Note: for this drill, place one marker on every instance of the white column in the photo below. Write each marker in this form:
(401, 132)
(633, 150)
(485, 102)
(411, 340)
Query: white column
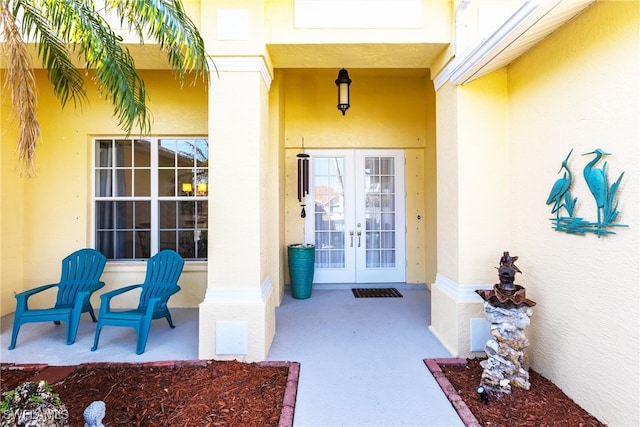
(237, 316)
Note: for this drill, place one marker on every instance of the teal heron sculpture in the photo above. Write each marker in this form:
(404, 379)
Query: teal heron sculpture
(597, 180)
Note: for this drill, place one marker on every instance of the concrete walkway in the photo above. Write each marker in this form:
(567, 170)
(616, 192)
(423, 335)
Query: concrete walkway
(361, 359)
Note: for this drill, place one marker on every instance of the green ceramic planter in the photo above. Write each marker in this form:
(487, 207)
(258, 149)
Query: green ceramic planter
(301, 266)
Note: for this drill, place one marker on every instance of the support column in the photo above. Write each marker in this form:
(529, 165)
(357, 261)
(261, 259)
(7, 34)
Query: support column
(473, 207)
(237, 316)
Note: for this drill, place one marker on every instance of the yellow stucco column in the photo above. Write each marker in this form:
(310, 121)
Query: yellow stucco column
(237, 316)
(473, 207)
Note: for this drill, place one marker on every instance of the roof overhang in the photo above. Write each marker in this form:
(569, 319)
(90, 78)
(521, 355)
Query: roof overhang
(530, 24)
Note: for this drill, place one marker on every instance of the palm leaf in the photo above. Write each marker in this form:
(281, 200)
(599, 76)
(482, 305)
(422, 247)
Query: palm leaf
(61, 28)
(165, 21)
(21, 82)
(66, 79)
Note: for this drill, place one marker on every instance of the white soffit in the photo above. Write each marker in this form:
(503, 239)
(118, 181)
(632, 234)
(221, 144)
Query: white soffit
(529, 25)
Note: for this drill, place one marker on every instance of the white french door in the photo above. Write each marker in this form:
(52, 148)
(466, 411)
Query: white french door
(358, 222)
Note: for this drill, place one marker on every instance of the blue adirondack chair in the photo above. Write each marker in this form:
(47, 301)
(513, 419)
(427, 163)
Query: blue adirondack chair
(161, 281)
(80, 277)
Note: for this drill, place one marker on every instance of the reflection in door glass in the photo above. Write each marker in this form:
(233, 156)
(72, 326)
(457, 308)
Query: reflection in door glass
(328, 179)
(380, 212)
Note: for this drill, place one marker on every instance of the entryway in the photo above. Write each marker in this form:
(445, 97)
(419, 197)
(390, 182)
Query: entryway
(358, 219)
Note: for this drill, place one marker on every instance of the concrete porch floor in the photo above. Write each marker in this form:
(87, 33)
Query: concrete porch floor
(361, 359)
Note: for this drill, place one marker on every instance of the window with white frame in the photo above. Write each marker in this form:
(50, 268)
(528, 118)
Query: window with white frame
(151, 194)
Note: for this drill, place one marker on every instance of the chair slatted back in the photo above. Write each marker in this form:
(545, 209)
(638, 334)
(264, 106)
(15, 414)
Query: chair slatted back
(80, 270)
(163, 271)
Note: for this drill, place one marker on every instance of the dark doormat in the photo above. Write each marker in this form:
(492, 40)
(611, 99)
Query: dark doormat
(376, 293)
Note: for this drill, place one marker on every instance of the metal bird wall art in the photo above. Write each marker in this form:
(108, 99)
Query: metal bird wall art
(604, 196)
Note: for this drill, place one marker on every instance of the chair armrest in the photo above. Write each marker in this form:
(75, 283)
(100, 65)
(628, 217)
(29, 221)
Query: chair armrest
(29, 292)
(106, 297)
(22, 303)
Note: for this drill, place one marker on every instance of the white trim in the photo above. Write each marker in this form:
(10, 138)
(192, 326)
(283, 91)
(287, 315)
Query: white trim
(520, 22)
(461, 69)
(458, 292)
(240, 295)
(443, 76)
(244, 64)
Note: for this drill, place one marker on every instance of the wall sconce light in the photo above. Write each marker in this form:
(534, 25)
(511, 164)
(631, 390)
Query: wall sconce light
(202, 188)
(343, 82)
(187, 188)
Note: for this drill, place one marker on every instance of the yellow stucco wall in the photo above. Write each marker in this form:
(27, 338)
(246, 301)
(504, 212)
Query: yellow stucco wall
(501, 140)
(50, 215)
(11, 212)
(579, 90)
(389, 109)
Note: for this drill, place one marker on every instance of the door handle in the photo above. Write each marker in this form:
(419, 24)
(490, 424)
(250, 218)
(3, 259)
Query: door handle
(359, 235)
(351, 234)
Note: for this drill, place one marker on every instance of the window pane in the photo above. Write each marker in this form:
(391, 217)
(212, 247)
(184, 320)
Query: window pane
(168, 240)
(104, 153)
(166, 183)
(103, 183)
(186, 182)
(123, 182)
(104, 215)
(105, 243)
(167, 153)
(187, 217)
(143, 244)
(168, 214)
(124, 215)
(142, 182)
(124, 245)
(123, 153)
(387, 166)
(202, 214)
(202, 247)
(202, 153)
(142, 214)
(388, 184)
(185, 153)
(187, 244)
(142, 153)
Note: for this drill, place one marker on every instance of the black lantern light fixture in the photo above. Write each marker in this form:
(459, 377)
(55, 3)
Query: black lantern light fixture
(343, 82)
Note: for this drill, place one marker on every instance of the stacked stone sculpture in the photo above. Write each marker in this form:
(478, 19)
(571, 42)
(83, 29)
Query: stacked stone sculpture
(509, 312)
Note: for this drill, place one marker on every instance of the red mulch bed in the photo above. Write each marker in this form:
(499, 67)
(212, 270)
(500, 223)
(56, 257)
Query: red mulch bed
(207, 393)
(543, 405)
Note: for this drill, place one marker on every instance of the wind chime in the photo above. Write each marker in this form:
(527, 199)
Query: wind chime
(303, 178)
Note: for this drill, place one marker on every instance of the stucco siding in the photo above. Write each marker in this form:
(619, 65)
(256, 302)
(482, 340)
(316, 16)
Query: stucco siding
(579, 90)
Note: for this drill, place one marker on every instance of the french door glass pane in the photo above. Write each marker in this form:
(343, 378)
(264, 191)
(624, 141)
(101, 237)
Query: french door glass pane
(328, 182)
(380, 212)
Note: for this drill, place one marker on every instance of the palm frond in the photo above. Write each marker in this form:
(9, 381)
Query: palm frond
(21, 83)
(82, 27)
(53, 50)
(165, 21)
